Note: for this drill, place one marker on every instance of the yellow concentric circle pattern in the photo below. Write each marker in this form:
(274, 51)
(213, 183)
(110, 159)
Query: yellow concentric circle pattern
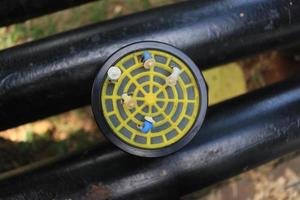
(174, 108)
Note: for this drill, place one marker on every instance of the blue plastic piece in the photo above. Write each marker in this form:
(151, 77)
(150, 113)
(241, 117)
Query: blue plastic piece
(147, 126)
(146, 56)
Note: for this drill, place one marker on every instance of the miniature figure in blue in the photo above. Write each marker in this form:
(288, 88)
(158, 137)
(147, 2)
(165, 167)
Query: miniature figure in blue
(147, 125)
(148, 60)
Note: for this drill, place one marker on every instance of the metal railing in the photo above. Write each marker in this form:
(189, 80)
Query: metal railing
(15, 11)
(55, 74)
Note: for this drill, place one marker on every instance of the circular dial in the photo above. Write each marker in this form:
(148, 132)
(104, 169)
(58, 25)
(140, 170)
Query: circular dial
(170, 95)
(173, 108)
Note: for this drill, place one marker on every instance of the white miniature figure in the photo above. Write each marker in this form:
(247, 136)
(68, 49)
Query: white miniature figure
(173, 78)
(114, 74)
(128, 101)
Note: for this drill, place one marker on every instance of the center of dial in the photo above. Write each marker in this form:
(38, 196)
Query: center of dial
(150, 99)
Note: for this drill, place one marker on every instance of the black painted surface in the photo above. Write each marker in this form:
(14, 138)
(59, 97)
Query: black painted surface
(14, 11)
(237, 135)
(53, 75)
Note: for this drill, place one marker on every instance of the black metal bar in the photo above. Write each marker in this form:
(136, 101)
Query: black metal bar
(49, 76)
(14, 11)
(238, 135)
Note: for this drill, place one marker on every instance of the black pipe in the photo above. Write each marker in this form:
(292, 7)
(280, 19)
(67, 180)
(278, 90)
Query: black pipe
(15, 11)
(238, 135)
(53, 75)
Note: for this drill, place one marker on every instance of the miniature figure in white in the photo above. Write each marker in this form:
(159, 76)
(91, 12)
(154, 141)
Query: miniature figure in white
(114, 74)
(128, 101)
(173, 78)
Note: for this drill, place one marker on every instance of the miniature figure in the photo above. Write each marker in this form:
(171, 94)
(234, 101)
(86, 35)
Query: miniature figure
(114, 74)
(148, 60)
(147, 125)
(128, 101)
(173, 78)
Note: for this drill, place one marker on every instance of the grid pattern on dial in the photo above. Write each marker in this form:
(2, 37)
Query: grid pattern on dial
(175, 109)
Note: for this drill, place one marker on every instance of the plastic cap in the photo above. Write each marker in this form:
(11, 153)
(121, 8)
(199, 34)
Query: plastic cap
(114, 73)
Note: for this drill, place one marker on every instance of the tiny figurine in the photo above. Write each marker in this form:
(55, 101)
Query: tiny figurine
(147, 125)
(148, 60)
(173, 78)
(114, 74)
(128, 101)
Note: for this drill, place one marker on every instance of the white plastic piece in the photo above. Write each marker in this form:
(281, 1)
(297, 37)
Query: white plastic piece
(149, 119)
(114, 73)
(173, 78)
